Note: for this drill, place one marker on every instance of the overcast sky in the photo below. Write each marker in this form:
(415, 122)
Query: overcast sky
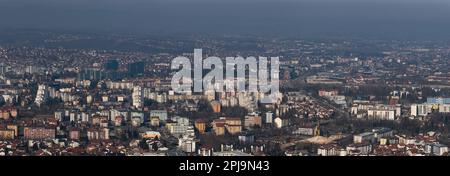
(390, 19)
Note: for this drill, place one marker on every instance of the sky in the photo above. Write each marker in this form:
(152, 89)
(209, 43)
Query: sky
(374, 19)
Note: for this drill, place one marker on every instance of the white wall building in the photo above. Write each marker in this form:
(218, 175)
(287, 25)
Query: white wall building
(162, 114)
(41, 95)
(269, 117)
(187, 144)
(382, 114)
(138, 97)
(421, 109)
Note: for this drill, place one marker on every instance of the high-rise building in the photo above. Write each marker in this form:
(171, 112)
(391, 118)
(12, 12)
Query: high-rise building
(161, 114)
(252, 120)
(269, 117)
(187, 144)
(91, 74)
(98, 134)
(138, 97)
(38, 133)
(41, 95)
(111, 65)
(136, 69)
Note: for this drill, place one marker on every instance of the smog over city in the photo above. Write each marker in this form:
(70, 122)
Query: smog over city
(239, 78)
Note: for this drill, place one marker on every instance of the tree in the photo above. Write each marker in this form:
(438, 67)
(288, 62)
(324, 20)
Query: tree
(204, 106)
(151, 103)
(234, 111)
(143, 144)
(35, 146)
(155, 146)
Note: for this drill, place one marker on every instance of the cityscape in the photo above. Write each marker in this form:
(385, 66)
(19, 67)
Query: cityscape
(70, 93)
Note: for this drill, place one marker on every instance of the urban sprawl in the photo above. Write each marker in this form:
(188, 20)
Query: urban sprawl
(337, 98)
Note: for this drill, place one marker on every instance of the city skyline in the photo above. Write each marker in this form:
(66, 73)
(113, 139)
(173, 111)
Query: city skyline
(191, 78)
